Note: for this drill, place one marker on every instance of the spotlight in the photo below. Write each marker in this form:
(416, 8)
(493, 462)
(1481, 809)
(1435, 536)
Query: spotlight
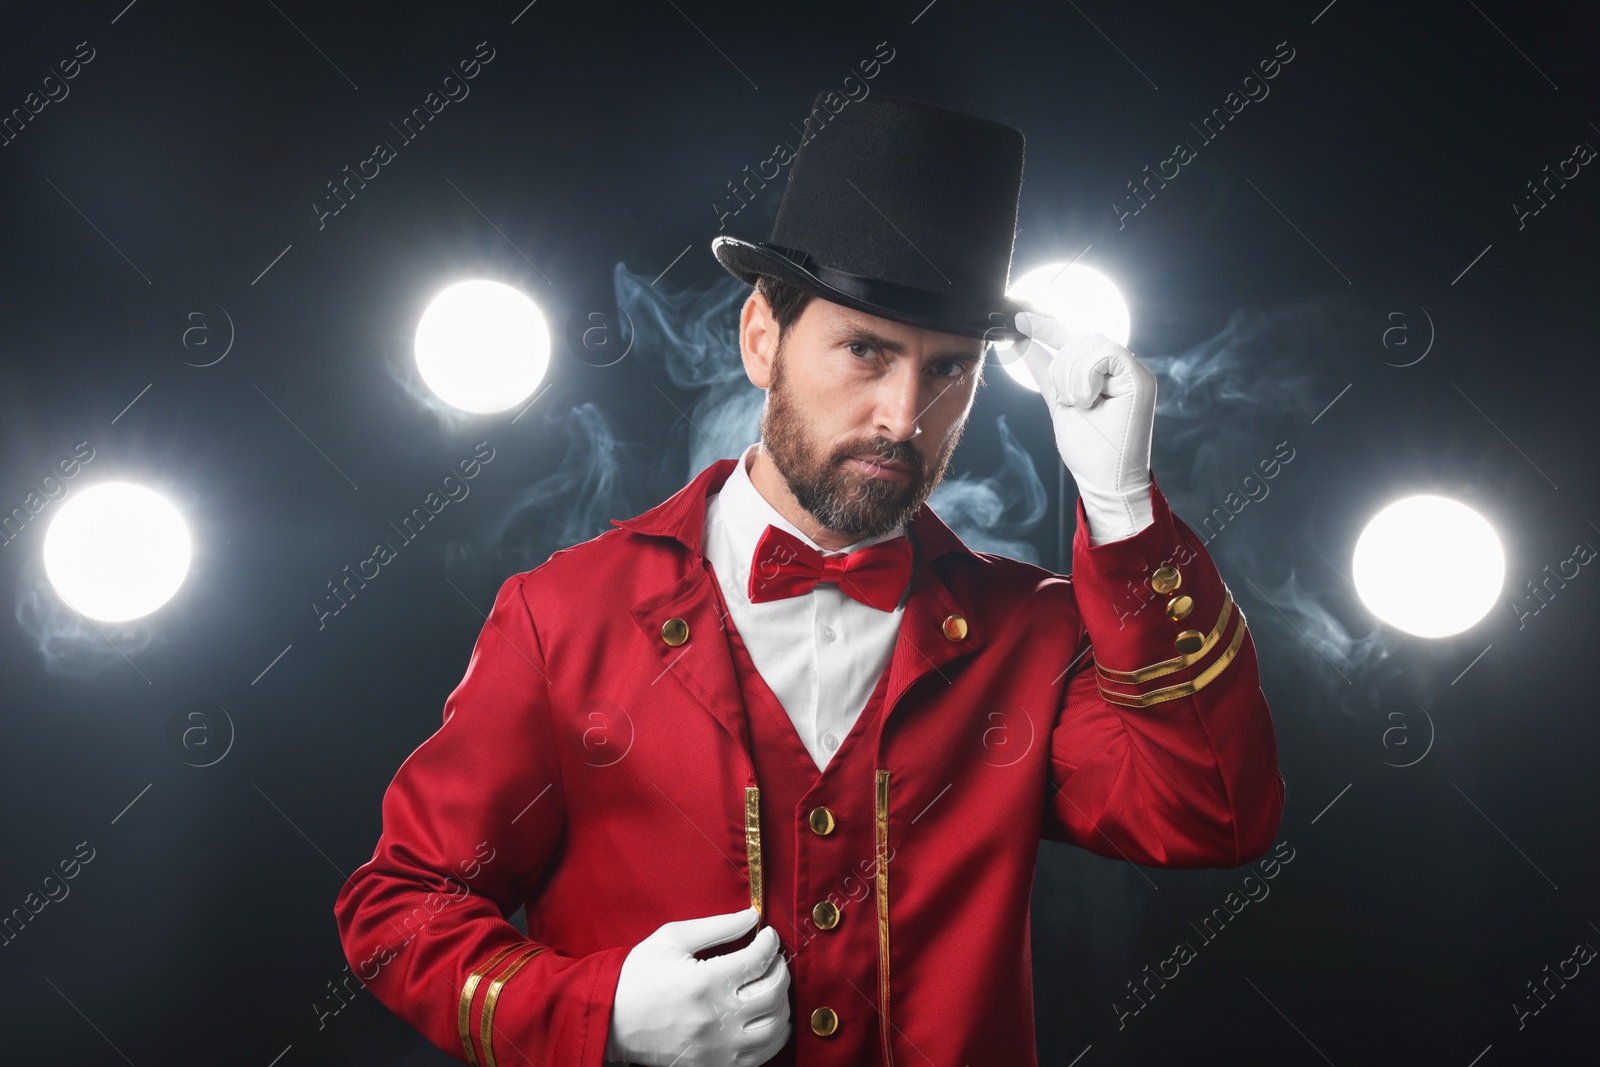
(116, 551)
(1083, 299)
(482, 346)
(1429, 566)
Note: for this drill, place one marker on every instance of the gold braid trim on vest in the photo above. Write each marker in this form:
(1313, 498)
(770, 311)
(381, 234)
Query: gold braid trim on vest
(881, 861)
(752, 846)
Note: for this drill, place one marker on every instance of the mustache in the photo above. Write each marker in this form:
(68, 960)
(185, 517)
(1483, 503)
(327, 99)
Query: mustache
(907, 457)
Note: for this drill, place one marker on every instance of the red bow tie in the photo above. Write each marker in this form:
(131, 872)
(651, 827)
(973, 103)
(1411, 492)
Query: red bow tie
(786, 566)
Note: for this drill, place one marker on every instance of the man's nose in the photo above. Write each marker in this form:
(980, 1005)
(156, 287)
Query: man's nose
(900, 403)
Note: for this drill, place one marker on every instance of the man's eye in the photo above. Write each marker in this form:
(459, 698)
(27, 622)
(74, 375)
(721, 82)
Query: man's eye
(861, 345)
(960, 368)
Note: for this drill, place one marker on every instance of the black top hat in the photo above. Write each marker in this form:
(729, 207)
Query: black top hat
(900, 209)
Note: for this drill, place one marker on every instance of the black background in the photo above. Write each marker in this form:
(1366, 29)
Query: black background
(1441, 794)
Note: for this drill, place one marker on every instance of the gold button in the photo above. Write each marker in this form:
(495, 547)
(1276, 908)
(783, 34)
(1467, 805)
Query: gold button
(826, 915)
(824, 1021)
(955, 627)
(1179, 606)
(821, 819)
(674, 632)
(1189, 642)
(1166, 580)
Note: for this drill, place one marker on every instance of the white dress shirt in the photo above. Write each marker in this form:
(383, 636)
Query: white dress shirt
(822, 653)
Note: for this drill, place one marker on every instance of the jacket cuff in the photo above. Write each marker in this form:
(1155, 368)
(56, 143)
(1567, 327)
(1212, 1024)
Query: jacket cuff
(541, 1007)
(1162, 622)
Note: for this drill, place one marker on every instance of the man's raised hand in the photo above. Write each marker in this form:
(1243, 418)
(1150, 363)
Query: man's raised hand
(1102, 403)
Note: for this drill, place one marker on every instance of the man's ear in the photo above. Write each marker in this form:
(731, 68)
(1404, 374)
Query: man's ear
(758, 339)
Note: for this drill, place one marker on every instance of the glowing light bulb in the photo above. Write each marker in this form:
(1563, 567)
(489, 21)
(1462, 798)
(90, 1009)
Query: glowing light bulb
(1428, 565)
(482, 346)
(116, 551)
(1083, 299)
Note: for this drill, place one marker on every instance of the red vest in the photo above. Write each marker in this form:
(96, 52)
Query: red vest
(835, 958)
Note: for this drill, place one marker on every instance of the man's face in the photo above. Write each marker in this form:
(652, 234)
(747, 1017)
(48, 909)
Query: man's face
(862, 412)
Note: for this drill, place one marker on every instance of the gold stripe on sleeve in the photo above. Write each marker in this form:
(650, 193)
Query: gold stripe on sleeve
(1183, 689)
(881, 860)
(470, 989)
(486, 1024)
(752, 845)
(1177, 663)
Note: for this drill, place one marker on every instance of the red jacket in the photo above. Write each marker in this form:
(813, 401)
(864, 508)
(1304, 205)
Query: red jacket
(594, 764)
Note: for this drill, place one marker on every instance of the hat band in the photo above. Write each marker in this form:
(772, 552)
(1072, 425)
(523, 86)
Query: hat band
(922, 303)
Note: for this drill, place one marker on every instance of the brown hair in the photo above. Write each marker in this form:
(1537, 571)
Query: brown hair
(786, 300)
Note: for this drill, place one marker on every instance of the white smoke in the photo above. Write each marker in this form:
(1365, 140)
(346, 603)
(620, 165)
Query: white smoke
(71, 646)
(1223, 405)
(694, 333)
(976, 508)
(572, 504)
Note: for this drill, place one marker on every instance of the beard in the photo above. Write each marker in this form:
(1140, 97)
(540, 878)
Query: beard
(841, 497)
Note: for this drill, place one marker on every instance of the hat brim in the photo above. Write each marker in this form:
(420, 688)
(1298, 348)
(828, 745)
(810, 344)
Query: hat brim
(748, 260)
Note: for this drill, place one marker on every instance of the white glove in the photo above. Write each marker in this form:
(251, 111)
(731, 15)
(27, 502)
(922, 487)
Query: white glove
(727, 1011)
(1103, 407)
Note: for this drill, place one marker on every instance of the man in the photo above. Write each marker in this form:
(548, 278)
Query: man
(768, 764)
